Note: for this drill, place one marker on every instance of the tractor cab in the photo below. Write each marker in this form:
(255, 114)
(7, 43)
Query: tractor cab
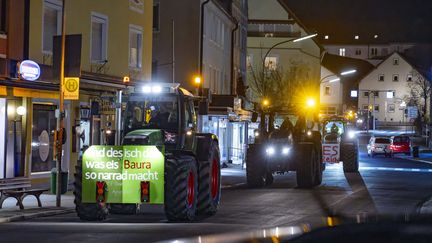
(160, 114)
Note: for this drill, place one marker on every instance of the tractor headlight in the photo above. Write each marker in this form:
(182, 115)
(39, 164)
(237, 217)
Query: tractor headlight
(351, 134)
(270, 151)
(309, 133)
(285, 151)
(256, 134)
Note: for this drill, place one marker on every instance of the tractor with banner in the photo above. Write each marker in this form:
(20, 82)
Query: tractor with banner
(294, 146)
(340, 143)
(162, 159)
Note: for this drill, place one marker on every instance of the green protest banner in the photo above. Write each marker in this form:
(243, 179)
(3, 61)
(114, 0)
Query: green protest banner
(123, 168)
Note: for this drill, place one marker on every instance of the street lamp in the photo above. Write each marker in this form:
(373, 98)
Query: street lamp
(286, 41)
(337, 78)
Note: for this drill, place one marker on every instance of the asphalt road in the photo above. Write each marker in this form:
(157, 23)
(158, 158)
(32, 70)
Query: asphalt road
(385, 186)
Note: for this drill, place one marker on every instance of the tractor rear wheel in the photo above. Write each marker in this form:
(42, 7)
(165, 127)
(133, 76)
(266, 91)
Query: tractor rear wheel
(307, 165)
(181, 188)
(349, 157)
(125, 209)
(255, 167)
(209, 186)
(86, 211)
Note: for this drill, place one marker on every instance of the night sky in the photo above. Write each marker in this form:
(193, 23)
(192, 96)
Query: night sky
(392, 20)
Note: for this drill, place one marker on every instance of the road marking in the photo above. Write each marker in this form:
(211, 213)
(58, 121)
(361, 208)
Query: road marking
(397, 169)
(418, 160)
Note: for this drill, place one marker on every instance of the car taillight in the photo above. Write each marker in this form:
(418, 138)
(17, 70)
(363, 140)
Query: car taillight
(392, 147)
(101, 189)
(145, 191)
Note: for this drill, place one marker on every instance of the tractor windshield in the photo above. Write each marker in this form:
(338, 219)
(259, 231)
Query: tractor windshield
(336, 127)
(152, 113)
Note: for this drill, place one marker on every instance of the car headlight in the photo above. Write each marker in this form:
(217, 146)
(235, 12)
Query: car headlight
(270, 151)
(285, 151)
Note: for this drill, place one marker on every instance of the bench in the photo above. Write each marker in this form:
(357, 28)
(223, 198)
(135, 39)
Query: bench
(18, 188)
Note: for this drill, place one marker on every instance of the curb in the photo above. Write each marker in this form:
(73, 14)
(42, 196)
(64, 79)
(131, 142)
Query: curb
(35, 215)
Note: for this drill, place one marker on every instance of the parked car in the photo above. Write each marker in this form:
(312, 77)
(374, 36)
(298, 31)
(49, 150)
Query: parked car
(400, 144)
(379, 145)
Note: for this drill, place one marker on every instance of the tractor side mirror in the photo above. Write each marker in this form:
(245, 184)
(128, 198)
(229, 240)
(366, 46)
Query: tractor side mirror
(203, 107)
(254, 117)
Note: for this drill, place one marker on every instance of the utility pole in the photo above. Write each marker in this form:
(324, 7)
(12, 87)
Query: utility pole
(61, 113)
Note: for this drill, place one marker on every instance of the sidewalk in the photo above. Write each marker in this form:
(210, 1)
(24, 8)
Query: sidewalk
(10, 212)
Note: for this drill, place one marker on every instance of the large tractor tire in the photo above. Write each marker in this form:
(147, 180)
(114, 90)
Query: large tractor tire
(209, 186)
(256, 172)
(307, 165)
(349, 157)
(181, 188)
(87, 211)
(125, 209)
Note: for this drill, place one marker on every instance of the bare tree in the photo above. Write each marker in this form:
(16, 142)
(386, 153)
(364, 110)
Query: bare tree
(420, 90)
(283, 88)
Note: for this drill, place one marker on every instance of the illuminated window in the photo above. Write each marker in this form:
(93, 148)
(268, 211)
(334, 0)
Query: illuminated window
(342, 52)
(271, 63)
(326, 37)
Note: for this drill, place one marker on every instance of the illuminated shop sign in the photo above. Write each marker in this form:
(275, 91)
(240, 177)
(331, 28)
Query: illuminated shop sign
(29, 70)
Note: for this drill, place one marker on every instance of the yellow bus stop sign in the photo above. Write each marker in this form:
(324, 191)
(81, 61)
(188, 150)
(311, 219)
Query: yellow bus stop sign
(71, 88)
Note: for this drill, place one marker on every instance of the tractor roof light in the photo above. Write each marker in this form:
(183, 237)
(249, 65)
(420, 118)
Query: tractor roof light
(155, 89)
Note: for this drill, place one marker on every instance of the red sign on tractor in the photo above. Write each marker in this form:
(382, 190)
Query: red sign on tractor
(330, 153)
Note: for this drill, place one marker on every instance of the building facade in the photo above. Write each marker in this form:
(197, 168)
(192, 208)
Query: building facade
(106, 40)
(208, 39)
(386, 90)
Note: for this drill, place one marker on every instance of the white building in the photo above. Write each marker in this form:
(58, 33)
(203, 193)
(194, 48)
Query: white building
(331, 92)
(394, 74)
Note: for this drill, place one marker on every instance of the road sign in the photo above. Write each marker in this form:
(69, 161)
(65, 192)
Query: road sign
(71, 88)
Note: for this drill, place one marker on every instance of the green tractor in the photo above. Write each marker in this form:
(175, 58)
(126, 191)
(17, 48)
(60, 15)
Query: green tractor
(294, 146)
(162, 160)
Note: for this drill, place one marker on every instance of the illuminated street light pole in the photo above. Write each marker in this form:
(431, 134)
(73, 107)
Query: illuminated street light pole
(61, 113)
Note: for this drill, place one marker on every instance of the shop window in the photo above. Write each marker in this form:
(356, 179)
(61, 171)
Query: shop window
(135, 46)
(43, 127)
(51, 23)
(99, 29)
